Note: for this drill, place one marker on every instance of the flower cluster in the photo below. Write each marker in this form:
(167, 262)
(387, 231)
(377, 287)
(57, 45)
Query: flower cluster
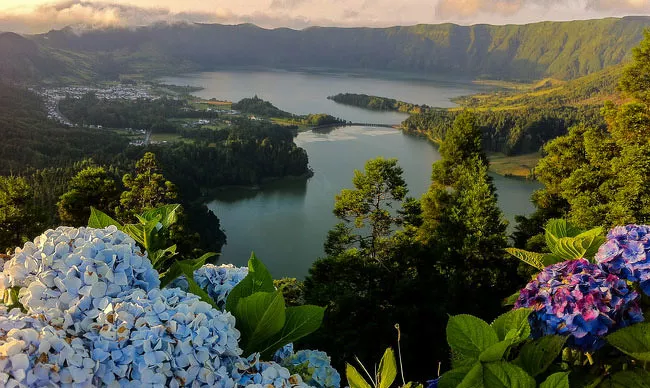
(578, 299)
(97, 317)
(71, 274)
(36, 354)
(625, 254)
(218, 281)
(314, 367)
(251, 372)
(164, 337)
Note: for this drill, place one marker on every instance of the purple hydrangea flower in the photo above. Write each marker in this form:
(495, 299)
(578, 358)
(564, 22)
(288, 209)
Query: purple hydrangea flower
(433, 383)
(625, 254)
(578, 299)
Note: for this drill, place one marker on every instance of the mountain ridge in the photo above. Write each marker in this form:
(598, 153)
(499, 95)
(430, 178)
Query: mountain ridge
(562, 50)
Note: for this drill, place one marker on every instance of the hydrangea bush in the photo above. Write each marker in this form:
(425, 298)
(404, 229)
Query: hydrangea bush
(625, 254)
(578, 299)
(94, 315)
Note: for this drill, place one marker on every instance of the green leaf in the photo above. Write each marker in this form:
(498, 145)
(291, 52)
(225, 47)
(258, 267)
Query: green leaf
(568, 243)
(633, 340)
(258, 280)
(503, 374)
(511, 300)
(513, 325)
(355, 380)
(259, 317)
(166, 215)
(100, 220)
(454, 377)
(495, 352)
(412, 384)
(628, 379)
(531, 258)
(591, 241)
(536, 356)
(556, 380)
(387, 369)
(180, 267)
(300, 322)
(473, 378)
(469, 335)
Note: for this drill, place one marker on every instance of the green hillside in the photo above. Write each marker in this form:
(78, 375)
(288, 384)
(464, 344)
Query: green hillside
(561, 50)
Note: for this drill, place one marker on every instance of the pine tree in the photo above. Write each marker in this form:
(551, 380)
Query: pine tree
(91, 187)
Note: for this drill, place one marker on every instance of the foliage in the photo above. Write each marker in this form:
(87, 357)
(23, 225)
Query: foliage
(368, 207)
(257, 106)
(91, 187)
(484, 355)
(635, 80)
(147, 189)
(263, 319)
(292, 289)
(17, 215)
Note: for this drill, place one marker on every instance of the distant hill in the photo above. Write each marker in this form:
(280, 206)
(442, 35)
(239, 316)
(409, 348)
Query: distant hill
(592, 89)
(561, 50)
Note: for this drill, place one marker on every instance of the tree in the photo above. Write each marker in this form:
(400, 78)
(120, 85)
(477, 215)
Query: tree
(636, 76)
(91, 187)
(147, 190)
(463, 223)
(368, 207)
(18, 221)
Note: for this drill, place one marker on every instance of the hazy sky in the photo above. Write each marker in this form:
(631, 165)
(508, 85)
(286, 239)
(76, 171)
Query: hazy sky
(42, 15)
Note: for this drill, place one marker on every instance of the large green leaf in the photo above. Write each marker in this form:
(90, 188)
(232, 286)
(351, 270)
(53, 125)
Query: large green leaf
(628, 379)
(259, 317)
(506, 375)
(591, 241)
(567, 242)
(469, 335)
(495, 352)
(536, 356)
(387, 369)
(633, 340)
(167, 215)
(556, 380)
(454, 377)
(100, 220)
(258, 280)
(531, 258)
(513, 325)
(355, 380)
(300, 322)
(473, 378)
(181, 267)
(195, 289)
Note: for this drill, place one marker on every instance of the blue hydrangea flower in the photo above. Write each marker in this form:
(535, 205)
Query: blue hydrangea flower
(71, 274)
(282, 353)
(164, 337)
(218, 281)
(251, 372)
(625, 254)
(314, 367)
(36, 354)
(578, 299)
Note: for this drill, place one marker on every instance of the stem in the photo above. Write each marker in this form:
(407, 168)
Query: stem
(399, 354)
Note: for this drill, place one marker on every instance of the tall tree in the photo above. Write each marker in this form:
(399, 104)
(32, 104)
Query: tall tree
(91, 187)
(461, 217)
(147, 189)
(368, 207)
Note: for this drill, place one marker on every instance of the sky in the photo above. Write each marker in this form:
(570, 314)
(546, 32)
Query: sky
(34, 16)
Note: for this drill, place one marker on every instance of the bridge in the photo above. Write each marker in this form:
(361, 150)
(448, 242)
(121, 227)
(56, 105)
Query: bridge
(327, 126)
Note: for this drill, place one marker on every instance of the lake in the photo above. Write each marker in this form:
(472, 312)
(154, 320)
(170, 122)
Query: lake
(286, 222)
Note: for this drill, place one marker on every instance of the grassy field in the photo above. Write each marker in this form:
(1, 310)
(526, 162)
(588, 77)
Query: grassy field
(168, 137)
(519, 166)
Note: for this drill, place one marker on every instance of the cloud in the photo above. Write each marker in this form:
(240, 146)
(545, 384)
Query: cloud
(95, 14)
(619, 5)
(286, 4)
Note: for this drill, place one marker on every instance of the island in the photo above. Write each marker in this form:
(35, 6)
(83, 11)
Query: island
(378, 103)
